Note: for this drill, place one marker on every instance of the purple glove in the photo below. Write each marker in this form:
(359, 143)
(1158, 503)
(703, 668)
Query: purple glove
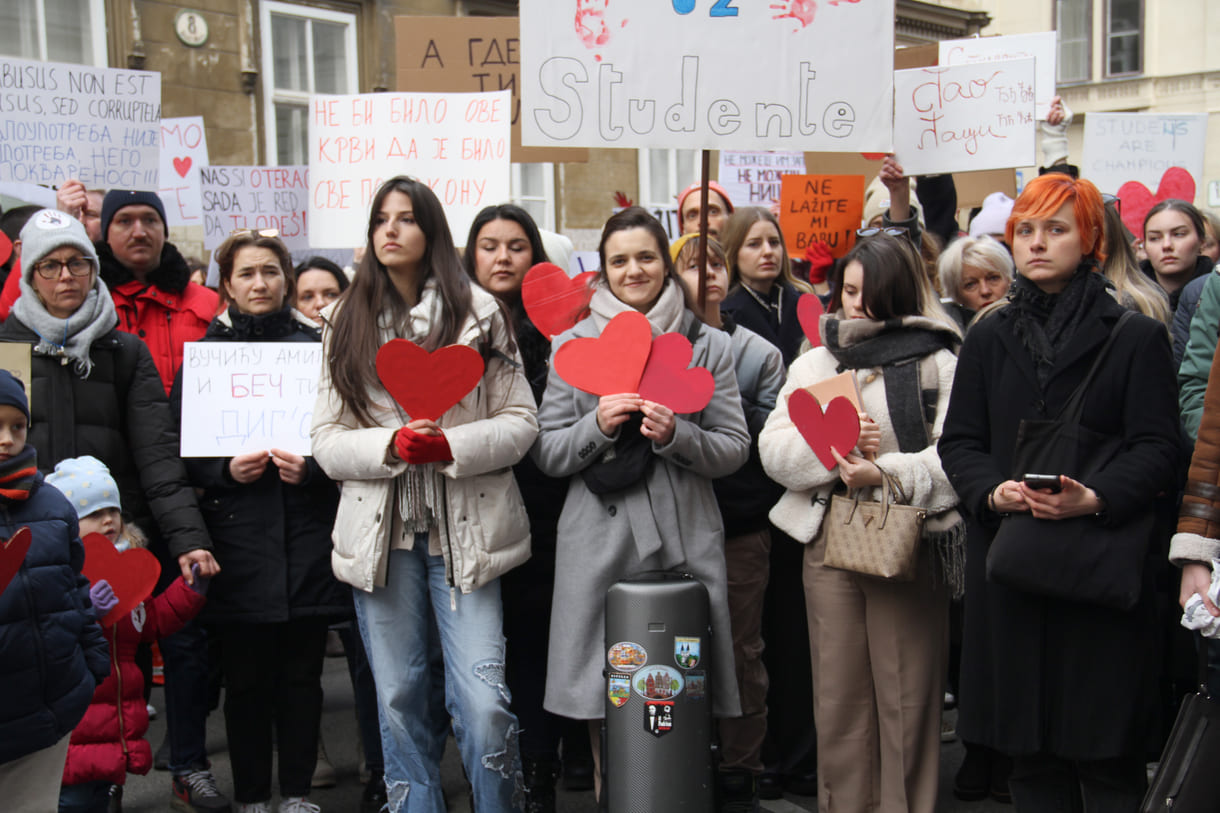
(103, 598)
(199, 583)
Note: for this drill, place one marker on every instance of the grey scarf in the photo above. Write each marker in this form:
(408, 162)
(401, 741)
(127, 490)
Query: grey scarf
(69, 339)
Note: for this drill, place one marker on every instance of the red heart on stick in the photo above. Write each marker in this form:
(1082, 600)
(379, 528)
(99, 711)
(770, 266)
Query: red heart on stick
(809, 311)
(1137, 200)
(667, 379)
(12, 554)
(427, 384)
(838, 426)
(132, 574)
(610, 363)
(182, 166)
(553, 300)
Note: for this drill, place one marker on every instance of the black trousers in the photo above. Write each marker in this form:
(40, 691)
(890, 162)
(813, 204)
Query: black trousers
(1049, 784)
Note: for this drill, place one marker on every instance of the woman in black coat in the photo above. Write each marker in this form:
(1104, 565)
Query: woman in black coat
(1064, 687)
(270, 514)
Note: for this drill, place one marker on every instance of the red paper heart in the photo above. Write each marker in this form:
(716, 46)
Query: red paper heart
(610, 363)
(427, 384)
(809, 311)
(1137, 200)
(6, 248)
(12, 554)
(838, 426)
(132, 574)
(668, 380)
(182, 166)
(553, 300)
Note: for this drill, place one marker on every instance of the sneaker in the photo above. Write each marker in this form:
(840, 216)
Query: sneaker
(196, 792)
(152, 711)
(254, 807)
(948, 729)
(298, 804)
(323, 773)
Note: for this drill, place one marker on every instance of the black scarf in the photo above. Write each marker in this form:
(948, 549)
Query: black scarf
(1045, 323)
(267, 327)
(171, 274)
(18, 475)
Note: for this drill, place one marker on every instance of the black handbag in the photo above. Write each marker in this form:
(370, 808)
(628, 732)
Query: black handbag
(1077, 559)
(1187, 779)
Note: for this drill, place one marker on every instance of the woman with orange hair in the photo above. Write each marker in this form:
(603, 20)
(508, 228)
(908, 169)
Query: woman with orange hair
(1063, 686)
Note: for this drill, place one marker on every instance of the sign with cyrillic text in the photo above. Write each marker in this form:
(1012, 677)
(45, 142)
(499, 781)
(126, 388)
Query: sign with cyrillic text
(184, 149)
(256, 198)
(1041, 47)
(753, 178)
(1121, 147)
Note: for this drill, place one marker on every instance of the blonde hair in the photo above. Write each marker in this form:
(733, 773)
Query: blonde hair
(977, 252)
(1132, 288)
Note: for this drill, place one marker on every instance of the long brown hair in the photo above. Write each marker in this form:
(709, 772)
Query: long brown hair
(356, 330)
(734, 236)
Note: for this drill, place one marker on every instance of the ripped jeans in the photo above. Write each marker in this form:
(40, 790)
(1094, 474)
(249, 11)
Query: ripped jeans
(394, 625)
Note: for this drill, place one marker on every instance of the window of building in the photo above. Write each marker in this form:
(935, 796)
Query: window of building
(533, 189)
(1124, 40)
(665, 173)
(305, 50)
(1074, 24)
(54, 30)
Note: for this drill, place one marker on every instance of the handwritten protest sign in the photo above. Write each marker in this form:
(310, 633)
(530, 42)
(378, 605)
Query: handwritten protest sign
(240, 397)
(1121, 147)
(1041, 47)
(821, 208)
(255, 198)
(965, 117)
(753, 178)
(469, 55)
(457, 143)
(643, 73)
(15, 357)
(184, 149)
(98, 125)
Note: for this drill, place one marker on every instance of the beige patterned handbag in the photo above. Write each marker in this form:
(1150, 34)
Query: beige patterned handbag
(874, 539)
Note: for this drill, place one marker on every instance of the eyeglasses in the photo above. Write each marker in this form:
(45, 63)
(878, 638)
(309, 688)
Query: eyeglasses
(255, 233)
(892, 231)
(51, 269)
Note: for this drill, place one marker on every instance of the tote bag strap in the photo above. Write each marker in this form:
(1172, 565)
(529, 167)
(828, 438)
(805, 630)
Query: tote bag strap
(1074, 408)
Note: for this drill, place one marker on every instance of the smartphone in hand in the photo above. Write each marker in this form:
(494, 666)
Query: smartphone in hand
(1043, 481)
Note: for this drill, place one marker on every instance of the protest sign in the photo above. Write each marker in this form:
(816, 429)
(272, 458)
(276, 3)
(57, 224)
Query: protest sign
(184, 149)
(965, 117)
(1041, 47)
(457, 143)
(821, 208)
(100, 126)
(470, 55)
(1121, 147)
(255, 198)
(753, 178)
(240, 397)
(642, 73)
(15, 357)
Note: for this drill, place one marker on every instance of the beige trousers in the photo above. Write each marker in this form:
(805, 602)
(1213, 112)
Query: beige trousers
(879, 658)
(30, 784)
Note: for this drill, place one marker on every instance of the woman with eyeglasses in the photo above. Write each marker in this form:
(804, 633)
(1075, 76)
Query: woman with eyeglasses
(270, 513)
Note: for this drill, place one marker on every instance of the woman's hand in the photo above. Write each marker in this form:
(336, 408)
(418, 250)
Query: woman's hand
(614, 410)
(1007, 498)
(896, 181)
(659, 422)
(1197, 578)
(870, 436)
(1074, 500)
(425, 426)
(246, 468)
(201, 558)
(291, 466)
(71, 197)
(1056, 114)
(856, 472)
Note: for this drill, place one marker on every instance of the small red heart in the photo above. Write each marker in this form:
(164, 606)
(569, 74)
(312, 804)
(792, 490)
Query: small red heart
(427, 384)
(667, 379)
(553, 300)
(132, 574)
(12, 554)
(809, 311)
(182, 166)
(6, 248)
(838, 426)
(1137, 200)
(610, 363)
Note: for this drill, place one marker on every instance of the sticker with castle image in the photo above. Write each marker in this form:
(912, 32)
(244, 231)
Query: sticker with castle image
(686, 652)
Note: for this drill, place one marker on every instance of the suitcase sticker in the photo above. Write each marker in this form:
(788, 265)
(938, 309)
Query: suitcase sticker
(659, 717)
(658, 683)
(686, 652)
(696, 685)
(626, 656)
(619, 690)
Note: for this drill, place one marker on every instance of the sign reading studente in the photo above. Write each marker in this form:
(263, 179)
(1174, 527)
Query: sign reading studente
(184, 149)
(240, 397)
(964, 117)
(1041, 47)
(1121, 147)
(100, 126)
(727, 74)
(255, 198)
(457, 143)
(821, 209)
(753, 178)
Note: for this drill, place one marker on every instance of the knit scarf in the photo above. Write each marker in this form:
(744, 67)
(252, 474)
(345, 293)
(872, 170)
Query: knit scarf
(665, 315)
(69, 339)
(1045, 323)
(18, 475)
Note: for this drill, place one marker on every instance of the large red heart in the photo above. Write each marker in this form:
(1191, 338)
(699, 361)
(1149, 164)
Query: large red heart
(427, 384)
(132, 574)
(1137, 200)
(12, 554)
(668, 381)
(182, 166)
(611, 363)
(809, 311)
(553, 300)
(837, 427)
(6, 248)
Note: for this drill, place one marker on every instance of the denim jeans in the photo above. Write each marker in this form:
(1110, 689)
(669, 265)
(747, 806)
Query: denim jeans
(394, 623)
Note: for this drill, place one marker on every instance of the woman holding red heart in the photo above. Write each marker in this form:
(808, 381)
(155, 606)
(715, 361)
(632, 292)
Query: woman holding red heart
(430, 516)
(885, 639)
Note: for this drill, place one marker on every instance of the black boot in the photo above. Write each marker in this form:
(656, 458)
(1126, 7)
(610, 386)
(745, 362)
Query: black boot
(374, 797)
(738, 792)
(539, 775)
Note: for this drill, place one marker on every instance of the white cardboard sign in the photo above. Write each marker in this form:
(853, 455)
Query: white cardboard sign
(753, 178)
(723, 74)
(255, 198)
(965, 117)
(1042, 48)
(1121, 147)
(184, 149)
(240, 397)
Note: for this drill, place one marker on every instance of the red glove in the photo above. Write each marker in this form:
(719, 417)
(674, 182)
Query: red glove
(413, 447)
(820, 260)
